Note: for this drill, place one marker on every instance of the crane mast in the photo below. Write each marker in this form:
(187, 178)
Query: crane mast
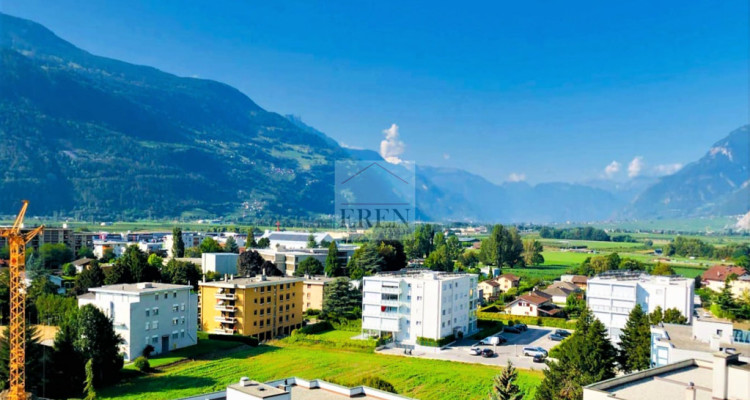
(17, 243)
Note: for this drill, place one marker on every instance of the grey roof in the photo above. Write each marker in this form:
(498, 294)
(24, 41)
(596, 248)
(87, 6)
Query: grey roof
(143, 287)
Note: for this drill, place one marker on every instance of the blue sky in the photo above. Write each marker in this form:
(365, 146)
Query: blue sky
(541, 91)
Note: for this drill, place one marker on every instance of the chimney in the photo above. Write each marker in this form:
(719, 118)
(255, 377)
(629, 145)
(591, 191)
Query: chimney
(244, 381)
(721, 374)
(690, 392)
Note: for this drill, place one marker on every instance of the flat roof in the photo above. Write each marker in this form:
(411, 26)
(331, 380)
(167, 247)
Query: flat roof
(257, 389)
(137, 288)
(252, 282)
(319, 279)
(681, 337)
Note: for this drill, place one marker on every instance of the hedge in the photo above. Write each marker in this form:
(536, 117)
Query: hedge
(320, 327)
(423, 341)
(350, 325)
(528, 320)
(248, 340)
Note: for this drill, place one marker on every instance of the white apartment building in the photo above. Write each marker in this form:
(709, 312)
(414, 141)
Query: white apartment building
(157, 314)
(220, 263)
(671, 343)
(293, 239)
(413, 304)
(612, 296)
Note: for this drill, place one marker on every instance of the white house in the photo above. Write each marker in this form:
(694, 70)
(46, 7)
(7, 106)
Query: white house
(220, 263)
(191, 239)
(117, 247)
(293, 239)
(414, 304)
(157, 314)
(612, 296)
(671, 343)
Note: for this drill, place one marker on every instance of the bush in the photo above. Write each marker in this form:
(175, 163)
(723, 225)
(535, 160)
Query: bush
(142, 364)
(423, 341)
(311, 312)
(147, 351)
(320, 327)
(378, 383)
(349, 325)
(528, 320)
(248, 340)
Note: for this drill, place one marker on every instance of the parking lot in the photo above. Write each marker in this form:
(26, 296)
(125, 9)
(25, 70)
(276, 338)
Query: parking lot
(535, 336)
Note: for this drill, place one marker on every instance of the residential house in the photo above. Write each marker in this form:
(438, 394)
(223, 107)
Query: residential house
(741, 287)
(82, 263)
(490, 289)
(559, 291)
(507, 281)
(714, 277)
(413, 304)
(532, 305)
(157, 314)
(264, 307)
(671, 343)
(578, 280)
(313, 290)
(287, 260)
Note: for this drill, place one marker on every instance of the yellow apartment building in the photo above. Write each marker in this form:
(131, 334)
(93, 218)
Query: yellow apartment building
(312, 292)
(264, 307)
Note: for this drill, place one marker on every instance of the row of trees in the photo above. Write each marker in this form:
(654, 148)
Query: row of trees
(503, 247)
(694, 247)
(598, 264)
(587, 233)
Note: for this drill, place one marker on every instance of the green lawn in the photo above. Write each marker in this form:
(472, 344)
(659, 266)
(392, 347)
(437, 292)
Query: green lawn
(590, 244)
(545, 272)
(420, 378)
(564, 257)
(204, 349)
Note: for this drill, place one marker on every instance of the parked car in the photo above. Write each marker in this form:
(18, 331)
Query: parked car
(539, 358)
(534, 351)
(475, 351)
(487, 353)
(511, 329)
(557, 338)
(522, 327)
(488, 341)
(562, 333)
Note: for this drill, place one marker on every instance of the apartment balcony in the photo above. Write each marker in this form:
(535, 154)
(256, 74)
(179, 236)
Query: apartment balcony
(392, 290)
(224, 331)
(225, 308)
(225, 320)
(226, 296)
(393, 303)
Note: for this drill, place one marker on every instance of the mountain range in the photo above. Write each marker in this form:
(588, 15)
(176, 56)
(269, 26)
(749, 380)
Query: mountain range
(92, 137)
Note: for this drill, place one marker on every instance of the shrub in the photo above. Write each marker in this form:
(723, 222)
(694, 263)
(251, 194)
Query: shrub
(515, 319)
(349, 325)
(320, 327)
(142, 364)
(248, 340)
(376, 382)
(311, 312)
(147, 351)
(423, 341)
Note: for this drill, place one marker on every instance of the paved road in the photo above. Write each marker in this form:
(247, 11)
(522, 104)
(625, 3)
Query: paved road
(510, 351)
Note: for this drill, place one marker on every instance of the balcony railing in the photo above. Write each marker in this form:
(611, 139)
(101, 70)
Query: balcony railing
(224, 331)
(225, 320)
(225, 296)
(226, 308)
(394, 303)
(386, 289)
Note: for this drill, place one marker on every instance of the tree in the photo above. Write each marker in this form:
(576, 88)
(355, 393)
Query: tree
(52, 308)
(587, 356)
(209, 245)
(249, 263)
(635, 342)
(108, 255)
(311, 243)
(423, 240)
(657, 316)
(250, 243)
(264, 243)
(333, 266)
(393, 255)
(181, 273)
(341, 300)
(67, 372)
(155, 261)
(231, 246)
(663, 269)
(93, 276)
(137, 263)
(532, 252)
(119, 273)
(438, 240)
(178, 245)
(85, 252)
(504, 386)
(36, 358)
(54, 255)
(309, 266)
(193, 252)
(438, 260)
(574, 305)
(97, 339)
(5, 252)
(69, 270)
(674, 316)
(88, 387)
(453, 247)
(365, 261)
(631, 265)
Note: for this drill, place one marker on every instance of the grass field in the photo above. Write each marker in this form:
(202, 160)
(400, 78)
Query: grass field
(414, 377)
(591, 244)
(545, 272)
(203, 349)
(564, 258)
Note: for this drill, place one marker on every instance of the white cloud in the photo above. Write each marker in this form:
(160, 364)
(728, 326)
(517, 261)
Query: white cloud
(611, 169)
(667, 169)
(392, 147)
(517, 177)
(635, 167)
(446, 156)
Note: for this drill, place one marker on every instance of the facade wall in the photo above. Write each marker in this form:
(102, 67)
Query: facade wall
(221, 263)
(523, 308)
(312, 295)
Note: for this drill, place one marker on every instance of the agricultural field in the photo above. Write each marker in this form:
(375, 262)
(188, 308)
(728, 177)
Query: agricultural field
(591, 244)
(415, 377)
(544, 272)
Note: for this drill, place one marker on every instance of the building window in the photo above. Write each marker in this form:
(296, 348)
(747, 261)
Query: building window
(262, 311)
(255, 312)
(287, 307)
(268, 310)
(174, 321)
(166, 295)
(255, 301)
(175, 335)
(261, 323)
(154, 339)
(268, 321)
(281, 319)
(308, 305)
(262, 289)
(287, 318)
(308, 295)
(281, 308)
(269, 299)
(182, 320)
(287, 286)
(174, 295)
(182, 306)
(175, 308)
(155, 325)
(156, 310)
(147, 325)
(182, 333)
(148, 312)
(287, 296)
(281, 297)
(156, 297)
(255, 323)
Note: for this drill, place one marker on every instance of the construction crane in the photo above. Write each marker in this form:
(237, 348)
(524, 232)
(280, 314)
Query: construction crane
(17, 243)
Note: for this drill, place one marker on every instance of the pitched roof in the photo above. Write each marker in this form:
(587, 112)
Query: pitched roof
(579, 279)
(491, 283)
(83, 261)
(509, 277)
(532, 298)
(721, 272)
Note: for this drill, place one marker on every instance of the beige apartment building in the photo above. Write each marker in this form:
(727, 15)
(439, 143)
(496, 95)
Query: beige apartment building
(312, 292)
(264, 307)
